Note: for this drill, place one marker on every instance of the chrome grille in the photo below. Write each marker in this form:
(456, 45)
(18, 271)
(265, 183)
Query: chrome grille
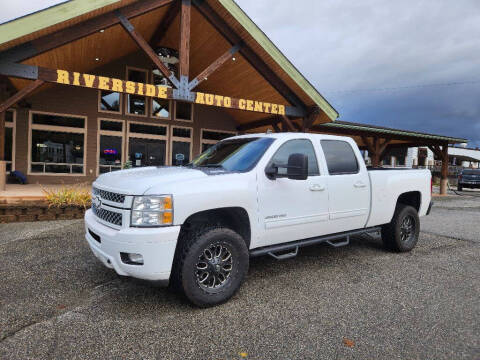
(108, 216)
(109, 196)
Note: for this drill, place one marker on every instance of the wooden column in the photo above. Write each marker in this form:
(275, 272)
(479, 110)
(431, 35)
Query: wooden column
(441, 152)
(444, 178)
(3, 164)
(2, 136)
(184, 48)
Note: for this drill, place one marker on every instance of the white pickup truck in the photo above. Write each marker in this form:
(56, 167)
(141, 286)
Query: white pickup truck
(196, 226)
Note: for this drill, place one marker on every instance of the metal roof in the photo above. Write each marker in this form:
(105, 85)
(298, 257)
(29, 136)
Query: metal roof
(344, 125)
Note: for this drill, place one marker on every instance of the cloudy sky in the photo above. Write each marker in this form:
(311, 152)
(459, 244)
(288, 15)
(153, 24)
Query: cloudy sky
(411, 64)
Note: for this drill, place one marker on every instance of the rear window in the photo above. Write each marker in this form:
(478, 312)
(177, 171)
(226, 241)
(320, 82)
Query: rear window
(340, 157)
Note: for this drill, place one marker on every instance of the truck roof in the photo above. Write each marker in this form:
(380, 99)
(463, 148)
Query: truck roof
(294, 135)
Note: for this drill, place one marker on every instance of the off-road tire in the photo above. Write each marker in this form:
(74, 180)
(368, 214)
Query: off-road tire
(191, 247)
(392, 233)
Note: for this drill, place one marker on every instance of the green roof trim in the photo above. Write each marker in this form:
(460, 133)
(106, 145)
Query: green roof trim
(384, 130)
(44, 18)
(278, 56)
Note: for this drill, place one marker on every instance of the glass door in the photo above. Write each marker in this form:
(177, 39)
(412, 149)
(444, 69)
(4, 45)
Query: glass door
(147, 152)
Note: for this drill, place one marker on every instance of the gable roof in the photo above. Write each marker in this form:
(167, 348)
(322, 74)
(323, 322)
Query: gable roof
(61, 16)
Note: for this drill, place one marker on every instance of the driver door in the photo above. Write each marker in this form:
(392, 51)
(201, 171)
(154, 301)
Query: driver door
(292, 209)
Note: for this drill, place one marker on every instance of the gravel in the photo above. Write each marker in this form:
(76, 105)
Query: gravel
(355, 302)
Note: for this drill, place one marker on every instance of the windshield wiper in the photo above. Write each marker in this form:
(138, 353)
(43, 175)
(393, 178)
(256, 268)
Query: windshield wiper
(212, 166)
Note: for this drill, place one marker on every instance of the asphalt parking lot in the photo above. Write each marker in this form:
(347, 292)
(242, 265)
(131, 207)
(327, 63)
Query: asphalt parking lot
(355, 302)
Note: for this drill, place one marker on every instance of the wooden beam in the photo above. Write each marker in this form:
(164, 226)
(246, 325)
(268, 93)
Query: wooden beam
(276, 128)
(165, 24)
(382, 146)
(259, 123)
(288, 123)
(255, 60)
(309, 120)
(214, 66)
(184, 48)
(149, 90)
(61, 37)
(147, 49)
(370, 147)
(20, 95)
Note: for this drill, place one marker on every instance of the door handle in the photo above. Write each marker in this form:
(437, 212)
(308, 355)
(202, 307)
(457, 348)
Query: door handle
(317, 187)
(360, 184)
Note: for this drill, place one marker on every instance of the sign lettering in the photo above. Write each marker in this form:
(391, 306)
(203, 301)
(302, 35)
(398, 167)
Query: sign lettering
(160, 91)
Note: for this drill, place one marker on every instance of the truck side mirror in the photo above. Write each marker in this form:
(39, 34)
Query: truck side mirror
(297, 168)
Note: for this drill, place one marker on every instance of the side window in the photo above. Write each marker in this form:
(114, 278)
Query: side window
(302, 146)
(340, 157)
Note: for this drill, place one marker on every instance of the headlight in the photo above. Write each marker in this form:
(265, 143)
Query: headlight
(152, 211)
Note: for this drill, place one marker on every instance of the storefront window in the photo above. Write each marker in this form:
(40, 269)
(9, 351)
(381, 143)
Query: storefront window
(137, 105)
(57, 144)
(161, 108)
(183, 111)
(147, 144)
(57, 152)
(109, 101)
(9, 139)
(210, 138)
(110, 153)
(110, 146)
(181, 139)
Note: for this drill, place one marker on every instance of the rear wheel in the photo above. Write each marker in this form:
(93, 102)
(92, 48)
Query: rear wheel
(401, 234)
(211, 266)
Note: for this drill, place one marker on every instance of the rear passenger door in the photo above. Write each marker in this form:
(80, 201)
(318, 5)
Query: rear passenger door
(348, 187)
(292, 209)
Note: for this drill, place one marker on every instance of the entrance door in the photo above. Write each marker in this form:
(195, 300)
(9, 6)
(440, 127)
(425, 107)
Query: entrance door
(147, 152)
(292, 209)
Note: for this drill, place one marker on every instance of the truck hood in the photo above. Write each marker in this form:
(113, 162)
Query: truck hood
(138, 181)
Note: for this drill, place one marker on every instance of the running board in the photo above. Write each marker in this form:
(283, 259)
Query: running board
(295, 245)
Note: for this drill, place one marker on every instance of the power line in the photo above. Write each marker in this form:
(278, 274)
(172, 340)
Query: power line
(457, 83)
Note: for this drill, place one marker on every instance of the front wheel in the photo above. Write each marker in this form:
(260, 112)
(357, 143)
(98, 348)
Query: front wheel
(212, 265)
(401, 234)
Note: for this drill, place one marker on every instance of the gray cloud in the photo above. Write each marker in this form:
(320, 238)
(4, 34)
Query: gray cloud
(346, 45)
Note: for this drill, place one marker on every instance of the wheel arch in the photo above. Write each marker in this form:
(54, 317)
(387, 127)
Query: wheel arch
(235, 218)
(411, 198)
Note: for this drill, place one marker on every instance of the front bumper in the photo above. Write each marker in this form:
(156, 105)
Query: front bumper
(156, 245)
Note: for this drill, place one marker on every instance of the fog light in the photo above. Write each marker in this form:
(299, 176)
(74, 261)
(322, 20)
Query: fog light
(135, 258)
(131, 259)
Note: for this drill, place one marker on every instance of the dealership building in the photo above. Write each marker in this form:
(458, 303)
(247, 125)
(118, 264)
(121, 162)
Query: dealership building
(88, 87)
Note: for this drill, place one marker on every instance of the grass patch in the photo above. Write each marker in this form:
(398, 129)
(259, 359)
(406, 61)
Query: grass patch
(68, 195)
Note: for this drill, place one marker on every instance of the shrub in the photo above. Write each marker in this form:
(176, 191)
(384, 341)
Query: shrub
(68, 195)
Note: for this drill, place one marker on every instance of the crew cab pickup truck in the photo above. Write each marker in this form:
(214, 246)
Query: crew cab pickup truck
(197, 226)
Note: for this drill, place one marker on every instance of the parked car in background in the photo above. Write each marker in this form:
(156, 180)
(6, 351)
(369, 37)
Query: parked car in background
(196, 226)
(469, 178)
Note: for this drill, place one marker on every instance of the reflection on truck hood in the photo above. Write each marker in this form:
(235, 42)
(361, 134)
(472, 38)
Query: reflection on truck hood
(138, 181)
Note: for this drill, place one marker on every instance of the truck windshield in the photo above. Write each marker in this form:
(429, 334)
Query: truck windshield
(234, 155)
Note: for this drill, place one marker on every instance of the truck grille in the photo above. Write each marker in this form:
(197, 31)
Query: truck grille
(109, 196)
(108, 216)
